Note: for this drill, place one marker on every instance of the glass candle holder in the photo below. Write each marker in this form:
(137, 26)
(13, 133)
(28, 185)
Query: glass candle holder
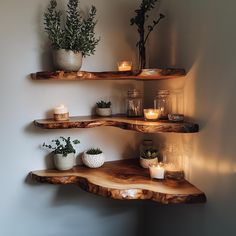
(151, 114)
(157, 171)
(124, 65)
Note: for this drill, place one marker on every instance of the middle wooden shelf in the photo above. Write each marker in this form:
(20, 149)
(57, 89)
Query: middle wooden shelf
(120, 121)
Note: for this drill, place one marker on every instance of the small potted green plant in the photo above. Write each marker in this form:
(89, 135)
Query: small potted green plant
(148, 158)
(93, 158)
(63, 152)
(72, 40)
(103, 108)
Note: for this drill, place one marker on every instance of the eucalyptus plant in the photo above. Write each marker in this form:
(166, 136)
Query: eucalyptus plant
(62, 146)
(142, 15)
(77, 33)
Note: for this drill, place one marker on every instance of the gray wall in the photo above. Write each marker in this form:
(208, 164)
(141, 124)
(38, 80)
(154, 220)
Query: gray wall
(43, 210)
(200, 36)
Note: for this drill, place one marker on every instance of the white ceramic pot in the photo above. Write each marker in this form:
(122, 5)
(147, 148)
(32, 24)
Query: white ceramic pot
(103, 111)
(145, 163)
(67, 60)
(93, 161)
(64, 162)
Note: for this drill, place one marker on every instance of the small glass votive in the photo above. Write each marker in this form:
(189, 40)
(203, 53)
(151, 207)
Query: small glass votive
(151, 114)
(157, 171)
(124, 65)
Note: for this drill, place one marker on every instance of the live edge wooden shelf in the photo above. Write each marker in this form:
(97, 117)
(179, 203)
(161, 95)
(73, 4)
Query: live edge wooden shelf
(136, 124)
(145, 75)
(123, 180)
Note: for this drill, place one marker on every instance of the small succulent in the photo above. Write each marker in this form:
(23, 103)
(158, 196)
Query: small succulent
(62, 146)
(149, 153)
(94, 151)
(103, 104)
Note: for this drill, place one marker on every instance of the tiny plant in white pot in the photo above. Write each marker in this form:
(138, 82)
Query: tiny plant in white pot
(103, 108)
(63, 152)
(75, 38)
(148, 158)
(93, 158)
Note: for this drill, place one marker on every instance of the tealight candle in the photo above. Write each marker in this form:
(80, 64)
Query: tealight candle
(151, 114)
(61, 113)
(157, 171)
(125, 65)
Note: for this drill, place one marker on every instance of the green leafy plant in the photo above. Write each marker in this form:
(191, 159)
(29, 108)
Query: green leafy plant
(62, 146)
(142, 15)
(149, 153)
(94, 151)
(77, 34)
(103, 104)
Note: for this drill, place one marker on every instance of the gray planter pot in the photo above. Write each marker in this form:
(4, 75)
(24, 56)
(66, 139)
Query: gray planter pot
(64, 163)
(67, 60)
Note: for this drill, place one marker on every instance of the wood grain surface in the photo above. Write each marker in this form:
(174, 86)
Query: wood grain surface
(136, 124)
(123, 180)
(157, 74)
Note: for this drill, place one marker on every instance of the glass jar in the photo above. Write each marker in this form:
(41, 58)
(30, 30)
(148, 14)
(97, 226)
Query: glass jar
(134, 103)
(173, 161)
(177, 101)
(146, 145)
(162, 102)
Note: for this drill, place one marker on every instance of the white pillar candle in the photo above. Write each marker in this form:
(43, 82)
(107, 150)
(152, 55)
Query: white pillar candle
(157, 171)
(60, 110)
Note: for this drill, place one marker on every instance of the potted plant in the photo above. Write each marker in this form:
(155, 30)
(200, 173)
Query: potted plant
(74, 40)
(103, 108)
(140, 18)
(148, 158)
(93, 158)
(63, 152)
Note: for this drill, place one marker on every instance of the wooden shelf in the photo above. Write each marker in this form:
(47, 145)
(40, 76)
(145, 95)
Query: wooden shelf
(123, 180)
(149, 74)
(139, 125)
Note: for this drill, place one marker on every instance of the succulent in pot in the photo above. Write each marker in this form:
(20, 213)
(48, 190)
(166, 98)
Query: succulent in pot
(148, 158)
(63, 152)
(72, 40)
(103, 108)
(93, 158)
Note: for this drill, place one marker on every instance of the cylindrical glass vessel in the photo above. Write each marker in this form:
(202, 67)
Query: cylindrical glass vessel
(177, 101)
(173, 160)
(134, 103)
(162, 102)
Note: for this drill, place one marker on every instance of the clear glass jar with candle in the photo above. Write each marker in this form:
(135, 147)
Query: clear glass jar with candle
(162, 102)
(134, 103)
(173, 161)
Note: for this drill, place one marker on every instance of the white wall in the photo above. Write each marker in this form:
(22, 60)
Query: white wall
(200, 36)
(49, 210)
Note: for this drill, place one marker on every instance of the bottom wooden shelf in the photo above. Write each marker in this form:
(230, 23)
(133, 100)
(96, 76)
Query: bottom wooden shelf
(123, 180)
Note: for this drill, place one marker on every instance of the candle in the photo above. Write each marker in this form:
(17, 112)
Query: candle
(61, 113)
(151, 114)
(125, 65)
(157, 171)
(60, 109)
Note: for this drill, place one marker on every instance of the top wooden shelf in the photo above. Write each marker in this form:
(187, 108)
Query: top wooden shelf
(145, 75)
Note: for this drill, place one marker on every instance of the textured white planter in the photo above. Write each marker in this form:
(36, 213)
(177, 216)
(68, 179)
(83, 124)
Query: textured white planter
(145, 163)
(67, 60)
(103, 111)
(64, 163)
(93, 161)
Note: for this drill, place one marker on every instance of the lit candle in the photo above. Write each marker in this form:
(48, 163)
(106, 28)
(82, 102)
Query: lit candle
(61, 113)
(124, 66)
(151, 114)
(157, 171)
